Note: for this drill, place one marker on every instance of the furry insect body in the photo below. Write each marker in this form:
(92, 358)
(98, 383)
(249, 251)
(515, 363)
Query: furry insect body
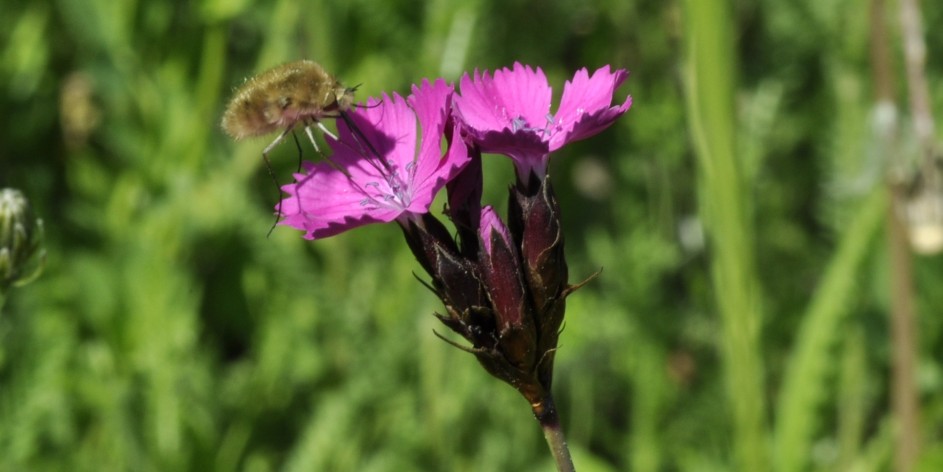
(280, 99)
(284, 96)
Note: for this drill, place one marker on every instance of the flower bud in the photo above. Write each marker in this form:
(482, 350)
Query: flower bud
(501, 270)
(464, 208)
(508, 300)
(427, 238)
(455, 280)
(535, 222)
(21, 253)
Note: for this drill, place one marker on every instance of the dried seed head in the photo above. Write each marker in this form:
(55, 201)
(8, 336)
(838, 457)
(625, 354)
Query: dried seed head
(22, 256)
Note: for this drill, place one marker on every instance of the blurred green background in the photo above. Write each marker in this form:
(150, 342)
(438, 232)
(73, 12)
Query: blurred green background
(740, 322)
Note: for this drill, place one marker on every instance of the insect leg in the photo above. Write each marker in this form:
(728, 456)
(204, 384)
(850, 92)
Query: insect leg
(311, 137)
(271, 173)
(298, 146)
(326, 131)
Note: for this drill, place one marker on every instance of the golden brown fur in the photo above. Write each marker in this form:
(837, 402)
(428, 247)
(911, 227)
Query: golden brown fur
(281, 97)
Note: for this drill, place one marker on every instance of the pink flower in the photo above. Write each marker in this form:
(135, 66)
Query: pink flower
(379, 174)
(510, 113)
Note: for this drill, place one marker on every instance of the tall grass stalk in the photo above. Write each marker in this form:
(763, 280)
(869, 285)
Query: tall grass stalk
(808, 369)
(904, 337)
(710, 82)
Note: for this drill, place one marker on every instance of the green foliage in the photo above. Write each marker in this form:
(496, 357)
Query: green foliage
(168, 333)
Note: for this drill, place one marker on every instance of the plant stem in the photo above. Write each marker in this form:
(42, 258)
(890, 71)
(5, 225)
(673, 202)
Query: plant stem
(725, 198)
(904, 397)
(546, 414)
(904, 338)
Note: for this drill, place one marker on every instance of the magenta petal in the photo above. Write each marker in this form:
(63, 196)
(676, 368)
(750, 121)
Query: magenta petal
(390, 126)
(323, 202)
(377, 125)
(433, 172)
(508, 114)
(513, 99)
(529, 150)
(354, 189)
(585, 105)
(375, 174)
(526, 93)
(476, 106)
(432, 102)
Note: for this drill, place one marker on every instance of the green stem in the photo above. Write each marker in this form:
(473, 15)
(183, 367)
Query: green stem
(546, 414)
(725, 205)
(808, 371)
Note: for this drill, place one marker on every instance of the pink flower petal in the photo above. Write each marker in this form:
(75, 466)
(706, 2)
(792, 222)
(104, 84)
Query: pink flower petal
(374, 174)
(525, 93)
(514, 99)
(432, 103)
(509, 114)
(585, 105)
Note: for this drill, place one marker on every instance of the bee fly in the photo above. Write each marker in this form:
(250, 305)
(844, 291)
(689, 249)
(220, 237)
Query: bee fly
(283, 97)
(299, 92)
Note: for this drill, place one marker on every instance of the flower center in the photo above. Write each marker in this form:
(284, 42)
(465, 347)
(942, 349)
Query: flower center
(392, 192)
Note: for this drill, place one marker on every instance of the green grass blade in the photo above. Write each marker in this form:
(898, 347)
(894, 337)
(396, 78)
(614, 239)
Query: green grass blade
(808, 369)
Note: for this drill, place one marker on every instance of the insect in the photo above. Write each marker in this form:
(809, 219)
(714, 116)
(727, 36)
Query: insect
(299, 92)
(283, 97)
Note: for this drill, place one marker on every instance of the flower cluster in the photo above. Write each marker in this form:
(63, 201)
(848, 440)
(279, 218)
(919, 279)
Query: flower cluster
(503, 286)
